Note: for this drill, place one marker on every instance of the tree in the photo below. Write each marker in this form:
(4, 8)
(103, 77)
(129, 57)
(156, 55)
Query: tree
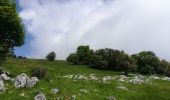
(147, 62)
(73, 58)
(51, 56)
(11, 28)
(83, 53)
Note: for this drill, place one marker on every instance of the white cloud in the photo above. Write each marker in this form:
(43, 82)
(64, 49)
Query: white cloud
(131, 25)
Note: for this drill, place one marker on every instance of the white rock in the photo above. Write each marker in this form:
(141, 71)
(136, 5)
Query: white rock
(55, 91)
(2, 88)
(21, 81)
(31, 82)
(122, 88)
(84, 91)
(136, 81)
(5, 77)
(111, 98)
(166, 78)
(40, 96)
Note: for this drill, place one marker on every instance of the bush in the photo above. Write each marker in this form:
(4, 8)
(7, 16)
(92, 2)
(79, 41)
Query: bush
(39, 72)
(51, 56)
(73, 58)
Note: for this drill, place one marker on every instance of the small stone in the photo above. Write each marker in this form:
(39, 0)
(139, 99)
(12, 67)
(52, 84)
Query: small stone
(73, 97)
(5, 77)
(111, 98)
(122, 88)
(40, 96)
(55, 91)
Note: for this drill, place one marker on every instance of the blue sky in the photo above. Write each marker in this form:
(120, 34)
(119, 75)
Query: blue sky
(23, 50)
(62, 25)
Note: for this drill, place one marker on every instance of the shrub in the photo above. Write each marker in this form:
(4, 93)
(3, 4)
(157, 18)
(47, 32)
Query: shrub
(73, 58)
(39, 72)
(51, 56)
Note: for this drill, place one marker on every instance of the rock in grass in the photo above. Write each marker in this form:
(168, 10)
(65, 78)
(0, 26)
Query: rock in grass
(40, 96)
(55, 91)
(21, 81)
(122, 88)
(31, 82)
(111, 98)
(5, 77)
(2, 88)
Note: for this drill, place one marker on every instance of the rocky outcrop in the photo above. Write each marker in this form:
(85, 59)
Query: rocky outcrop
(40, 96)
(24, 81)
(31, 82)
(21, 81)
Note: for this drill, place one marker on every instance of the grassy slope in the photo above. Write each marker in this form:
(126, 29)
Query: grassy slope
(160, 90)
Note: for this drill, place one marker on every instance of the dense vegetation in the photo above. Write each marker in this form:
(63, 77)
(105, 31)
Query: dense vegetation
(145, 62)
(96, 90)
(11, 28)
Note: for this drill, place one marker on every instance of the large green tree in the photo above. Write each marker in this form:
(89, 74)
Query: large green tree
(11, 28)
(147, 62)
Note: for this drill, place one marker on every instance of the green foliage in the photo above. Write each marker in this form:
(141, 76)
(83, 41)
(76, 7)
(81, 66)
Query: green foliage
(39, 72)
(73, 58)
(147, 61)
(11, 28)
(83, 53)
(51, 56)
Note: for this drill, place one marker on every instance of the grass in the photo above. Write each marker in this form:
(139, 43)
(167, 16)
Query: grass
(159, 90)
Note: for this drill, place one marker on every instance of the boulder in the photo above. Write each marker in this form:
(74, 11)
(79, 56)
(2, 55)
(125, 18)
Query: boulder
(40, 96)
(31, 82)
(111, 98)
(2, 88)
(21, 81)
(55, 91)
(5, 77)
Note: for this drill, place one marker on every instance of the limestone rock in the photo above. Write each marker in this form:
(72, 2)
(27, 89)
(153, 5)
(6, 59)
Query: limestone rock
(40, 96)
(55, 91)
(2, 88)
(5, 77)
(31, 82)
(21, 81)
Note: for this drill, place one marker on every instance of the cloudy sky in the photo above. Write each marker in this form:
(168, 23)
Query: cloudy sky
(62, 25)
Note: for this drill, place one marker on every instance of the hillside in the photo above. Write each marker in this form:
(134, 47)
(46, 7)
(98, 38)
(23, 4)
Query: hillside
(83, 83)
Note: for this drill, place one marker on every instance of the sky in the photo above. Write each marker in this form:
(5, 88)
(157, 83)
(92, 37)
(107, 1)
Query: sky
(62, 25)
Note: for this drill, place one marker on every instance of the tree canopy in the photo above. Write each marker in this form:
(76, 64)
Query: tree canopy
(11, 28)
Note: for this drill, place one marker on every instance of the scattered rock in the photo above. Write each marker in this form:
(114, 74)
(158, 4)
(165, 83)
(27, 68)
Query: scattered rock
(40, 96)
(73, 97)
(24, 81)
(2, 88)
(21, 81)
(111, 98)
(5, 77)
(55, 91)
(31, 82)
(137, 79)
(166, 78)
(122, 88)
(84, 91)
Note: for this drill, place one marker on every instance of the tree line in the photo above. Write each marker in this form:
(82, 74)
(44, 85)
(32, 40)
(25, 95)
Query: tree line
(145, 62)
